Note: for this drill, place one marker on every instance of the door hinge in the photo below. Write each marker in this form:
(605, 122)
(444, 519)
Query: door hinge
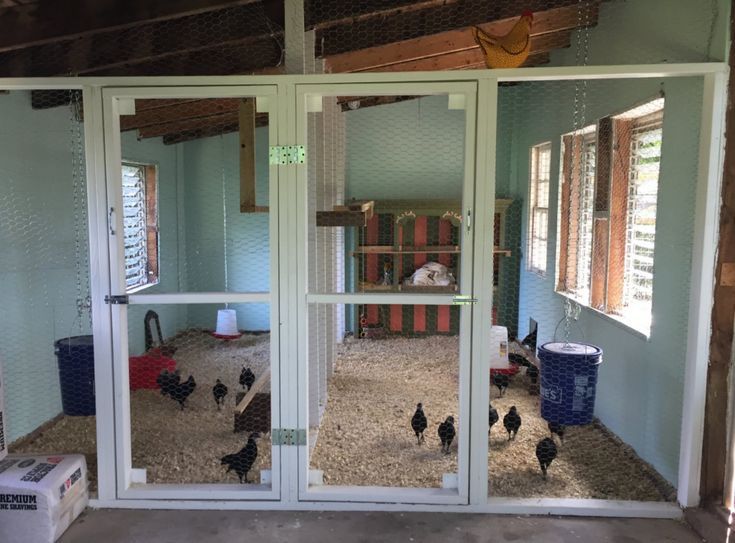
(280, 155)
(463, 300)
(120, 299)
(288, 436)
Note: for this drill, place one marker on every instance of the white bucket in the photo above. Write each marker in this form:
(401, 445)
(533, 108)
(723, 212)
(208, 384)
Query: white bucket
(227, 323)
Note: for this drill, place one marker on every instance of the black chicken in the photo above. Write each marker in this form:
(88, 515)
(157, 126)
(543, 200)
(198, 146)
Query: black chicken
(501, 380)
(168, 382)
(530, 339)
(219, 390)
(545, 452)
(519, 360)
(242, 461)
(493, 417)
(446, 434)
(418, 423)
(512, 422)
(247, 378)
(532, 373)
(558, 429)
(182, 391)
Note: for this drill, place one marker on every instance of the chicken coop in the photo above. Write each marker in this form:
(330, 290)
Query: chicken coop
(484, 290)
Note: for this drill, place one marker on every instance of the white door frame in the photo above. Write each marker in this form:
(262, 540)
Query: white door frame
(465, 95)
(122, 100)
(702, 277)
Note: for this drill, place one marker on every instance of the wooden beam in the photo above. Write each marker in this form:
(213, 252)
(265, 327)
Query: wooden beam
(184, 109)
(453, 41)
(321, 14)
(620, 180)
(46, 22)
(474, 58)
(246, 116)
(257, 385)
(715, 441)
(209, 130)
(564, 226)
(600, 237)
(408, 24)
(182, 125)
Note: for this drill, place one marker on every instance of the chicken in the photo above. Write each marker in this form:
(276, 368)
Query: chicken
(530, 340)
(242, 461)
(493, 417)
(532, 373)
(558, 429)
(182, 391)
(247, 378)
(512, 422)
(510, 50)
(446, 434)
(519, 360)
(418, 423)
(501, 380)
(219, 391)
(545, 452)
(168, 382)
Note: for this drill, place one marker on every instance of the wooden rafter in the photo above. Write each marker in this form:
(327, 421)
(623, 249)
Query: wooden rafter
(435, 18)
(556, 21)
(46, 22)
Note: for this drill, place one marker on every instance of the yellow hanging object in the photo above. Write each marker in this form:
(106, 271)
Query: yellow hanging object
(509, 51)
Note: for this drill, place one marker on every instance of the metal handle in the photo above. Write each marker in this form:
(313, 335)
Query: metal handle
(469, 219)
(110, 221)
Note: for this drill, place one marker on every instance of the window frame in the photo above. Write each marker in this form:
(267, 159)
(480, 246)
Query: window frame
(538, 248)
(611, 215)
(152, 241)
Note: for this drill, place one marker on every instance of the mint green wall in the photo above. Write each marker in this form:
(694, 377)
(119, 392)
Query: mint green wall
(37, 268)
(405, 150)
(205, 162)
(641, 381)
(655, 31)
(172, 240)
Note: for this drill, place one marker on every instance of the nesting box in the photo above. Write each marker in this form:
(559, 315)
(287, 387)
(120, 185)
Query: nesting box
(257, 415)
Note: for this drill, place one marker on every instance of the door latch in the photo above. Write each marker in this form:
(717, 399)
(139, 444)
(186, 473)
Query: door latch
(117, 299)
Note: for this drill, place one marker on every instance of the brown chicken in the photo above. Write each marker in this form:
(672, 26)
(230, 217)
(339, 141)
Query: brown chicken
(509, 51)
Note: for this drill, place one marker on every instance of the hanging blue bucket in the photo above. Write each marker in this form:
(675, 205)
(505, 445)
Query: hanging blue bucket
(569, 382)
(75, 356)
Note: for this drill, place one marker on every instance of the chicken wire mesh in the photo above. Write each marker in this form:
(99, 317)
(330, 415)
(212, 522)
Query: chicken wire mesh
(384, 409)
(597, 180)
(200, 401)
(384, 196)
(46, 351)
(195, 195)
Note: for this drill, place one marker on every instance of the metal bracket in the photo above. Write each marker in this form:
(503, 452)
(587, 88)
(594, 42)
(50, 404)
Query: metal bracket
(288, 436)
(463, 300)
(281, 155)
(121, 299)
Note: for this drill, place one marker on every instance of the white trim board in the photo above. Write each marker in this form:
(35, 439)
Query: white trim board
(499, 506)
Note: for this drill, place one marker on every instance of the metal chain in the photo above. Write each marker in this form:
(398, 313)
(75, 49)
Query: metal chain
(224, 210)
(571, 309)
(81, 257)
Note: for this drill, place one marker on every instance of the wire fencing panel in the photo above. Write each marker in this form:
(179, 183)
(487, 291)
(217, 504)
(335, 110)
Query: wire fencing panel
(195, 186)
(45, 344)
(597, 180)
(384, 201)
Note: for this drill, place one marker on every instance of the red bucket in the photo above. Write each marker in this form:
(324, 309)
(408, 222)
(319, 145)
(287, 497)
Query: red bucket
(145, 369)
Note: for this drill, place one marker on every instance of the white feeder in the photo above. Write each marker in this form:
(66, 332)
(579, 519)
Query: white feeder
(227, 324)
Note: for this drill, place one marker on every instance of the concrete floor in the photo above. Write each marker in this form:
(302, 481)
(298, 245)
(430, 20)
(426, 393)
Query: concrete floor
(117, 526)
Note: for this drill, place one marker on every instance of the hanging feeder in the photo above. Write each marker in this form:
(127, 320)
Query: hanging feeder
(227, 325)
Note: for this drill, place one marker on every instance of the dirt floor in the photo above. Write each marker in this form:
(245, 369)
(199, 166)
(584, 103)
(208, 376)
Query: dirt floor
(365, 436)
(177, 446)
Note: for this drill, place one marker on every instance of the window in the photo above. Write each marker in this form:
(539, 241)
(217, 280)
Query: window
(538, 216)
(140, 224)
(607, 213)
(579, 156)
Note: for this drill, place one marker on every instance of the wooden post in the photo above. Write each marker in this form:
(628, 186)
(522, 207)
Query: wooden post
(246, 118)
(618, 213)
(715, 442)
(566, 184)
(601, 225)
